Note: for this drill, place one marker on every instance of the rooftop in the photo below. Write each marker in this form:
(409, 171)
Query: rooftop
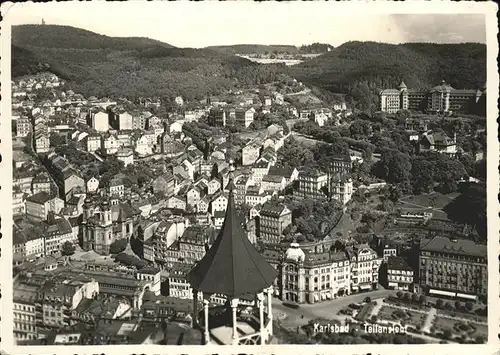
(459, 247)
(232, 266)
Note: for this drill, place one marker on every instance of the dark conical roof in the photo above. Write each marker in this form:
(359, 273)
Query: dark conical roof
(232, 266)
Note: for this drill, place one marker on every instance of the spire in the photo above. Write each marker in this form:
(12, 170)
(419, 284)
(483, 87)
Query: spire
(232, 266)
(43, 21)
(231, 185)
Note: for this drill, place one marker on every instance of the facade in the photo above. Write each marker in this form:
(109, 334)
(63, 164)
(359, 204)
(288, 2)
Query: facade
(244, 117)
(120, 119)
(41, 183)
(365, 265)
(399, 274)
(312, 184)
(441, 98)
(23, 126)
(250, 153)
(93, 143)
(314, 277)
(453, 268)
(273, 220)
(98, 120)
(40, 204)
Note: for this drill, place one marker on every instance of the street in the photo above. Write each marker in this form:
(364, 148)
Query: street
(326, 309)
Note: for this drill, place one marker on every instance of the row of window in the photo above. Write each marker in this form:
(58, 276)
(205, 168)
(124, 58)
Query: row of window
(24, 317)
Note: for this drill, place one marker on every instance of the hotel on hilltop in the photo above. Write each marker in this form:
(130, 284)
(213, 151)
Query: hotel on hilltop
(441, 98)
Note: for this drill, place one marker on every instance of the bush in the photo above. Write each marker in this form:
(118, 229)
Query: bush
(118, 246)
(439, 303)
(68, 249)
(447, 333)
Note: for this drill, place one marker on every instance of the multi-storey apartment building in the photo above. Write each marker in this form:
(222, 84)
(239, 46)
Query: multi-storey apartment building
(120, 119)
(24, 312)
(441, 98)
(65, 175)
(365, 265)
(315, 276)
(98, 119)
(453, 268)
(40, 204)
(399, 274)
(312, 184)
(23, 126)
(273, 220)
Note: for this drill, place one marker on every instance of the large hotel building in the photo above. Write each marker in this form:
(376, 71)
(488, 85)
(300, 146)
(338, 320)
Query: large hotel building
(453, 268)
(441, 98)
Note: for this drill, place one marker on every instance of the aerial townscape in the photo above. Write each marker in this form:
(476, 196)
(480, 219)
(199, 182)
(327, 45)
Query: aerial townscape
(202, 196)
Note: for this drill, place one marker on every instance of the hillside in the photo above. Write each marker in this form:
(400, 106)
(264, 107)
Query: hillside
(132, 67)
(54, 36)
(421, 65)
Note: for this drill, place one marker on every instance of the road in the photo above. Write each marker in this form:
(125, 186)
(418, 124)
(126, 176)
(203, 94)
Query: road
(326, 309)
(303, 92)
(250, 135)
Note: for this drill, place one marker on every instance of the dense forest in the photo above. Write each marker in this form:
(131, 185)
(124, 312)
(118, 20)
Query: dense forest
(96, 65)
(360, 68)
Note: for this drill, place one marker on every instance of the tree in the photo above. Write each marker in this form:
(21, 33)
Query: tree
(67, 249)
(394, 193)
(439, 303)
(447, 333)
(422, 299)
(470, 208)
(393, 167)
(458, 305)
(406, 297)
(118, 246)
(399, 294)
(469, 306)
(414, 298)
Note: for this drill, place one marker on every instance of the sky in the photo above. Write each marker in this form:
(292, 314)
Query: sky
(201, 24)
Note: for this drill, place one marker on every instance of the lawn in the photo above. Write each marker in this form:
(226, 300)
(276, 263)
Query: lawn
(420, 203)
(459, 328)
(414, 319)
(434, 200)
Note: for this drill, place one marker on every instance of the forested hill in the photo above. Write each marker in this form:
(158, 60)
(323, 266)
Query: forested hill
(54, 36)
(132, 67)
(421, 65)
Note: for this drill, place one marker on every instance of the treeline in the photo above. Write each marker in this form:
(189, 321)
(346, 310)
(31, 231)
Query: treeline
(315, 48)
(378, 65)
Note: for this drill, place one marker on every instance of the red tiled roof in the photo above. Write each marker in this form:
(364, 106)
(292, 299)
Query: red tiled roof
(232, 266)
